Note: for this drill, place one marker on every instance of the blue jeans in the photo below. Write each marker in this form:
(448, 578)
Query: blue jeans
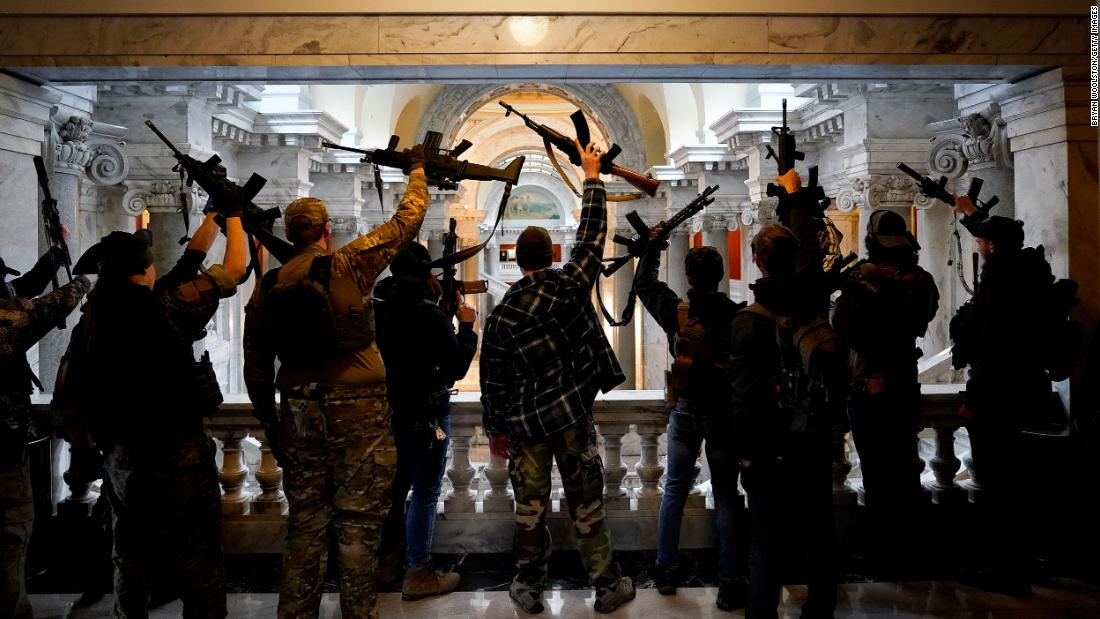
(421, 461)
(687, 429)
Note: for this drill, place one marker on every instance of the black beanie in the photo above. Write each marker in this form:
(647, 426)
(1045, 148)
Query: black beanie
(1006, 233)
(534, 249)
(413, 261)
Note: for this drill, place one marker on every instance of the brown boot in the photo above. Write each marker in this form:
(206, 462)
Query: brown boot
(426, 581)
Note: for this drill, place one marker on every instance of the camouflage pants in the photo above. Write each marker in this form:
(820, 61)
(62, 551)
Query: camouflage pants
(16, 517)
(339, 462)
(581, 471)
(167, 507)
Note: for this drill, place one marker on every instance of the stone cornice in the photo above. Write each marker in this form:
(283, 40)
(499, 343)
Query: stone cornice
(302, 128)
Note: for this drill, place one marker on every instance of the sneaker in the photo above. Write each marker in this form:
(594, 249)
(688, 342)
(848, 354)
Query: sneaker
(426, 581)
(732, 595)
(528, 597)
(616, 594)
(665, 579)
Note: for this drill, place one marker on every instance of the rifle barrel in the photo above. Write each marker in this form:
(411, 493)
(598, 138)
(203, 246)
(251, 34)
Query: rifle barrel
(164, 138)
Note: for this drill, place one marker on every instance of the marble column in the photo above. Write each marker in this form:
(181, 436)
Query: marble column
(715, 234)
(678, 246)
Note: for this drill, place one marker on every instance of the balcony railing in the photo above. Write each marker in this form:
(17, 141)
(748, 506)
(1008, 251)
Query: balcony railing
(475, 511)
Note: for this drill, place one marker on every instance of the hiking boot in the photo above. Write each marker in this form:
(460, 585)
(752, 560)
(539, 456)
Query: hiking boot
(616, 594)
(665, 579)
(528, 597)
(732, 594)
(426, 581)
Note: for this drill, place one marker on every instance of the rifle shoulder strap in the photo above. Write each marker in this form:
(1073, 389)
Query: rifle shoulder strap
(621, 197)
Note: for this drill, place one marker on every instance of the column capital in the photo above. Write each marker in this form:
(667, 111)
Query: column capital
(156, 196)
(81, 146)
(978, 140)
(875, 191)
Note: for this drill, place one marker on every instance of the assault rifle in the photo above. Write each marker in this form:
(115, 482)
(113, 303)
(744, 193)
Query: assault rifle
(449, 279)
(810, 195)
(936, 189)
(442, 166)
(52, 220)
(257, 222)
(568, 147)
(640, 243)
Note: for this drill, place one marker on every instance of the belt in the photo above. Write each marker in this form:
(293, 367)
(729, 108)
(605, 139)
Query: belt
(314, 391)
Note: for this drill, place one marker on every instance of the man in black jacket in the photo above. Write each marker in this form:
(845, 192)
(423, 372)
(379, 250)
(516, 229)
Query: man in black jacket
(1000, 334)
(423, 357)
(698, 337)
(786, 470)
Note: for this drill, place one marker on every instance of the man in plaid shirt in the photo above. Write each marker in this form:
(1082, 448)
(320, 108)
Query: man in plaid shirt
(543, 358)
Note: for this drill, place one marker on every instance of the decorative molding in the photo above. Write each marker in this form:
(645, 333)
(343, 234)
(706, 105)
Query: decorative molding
(978, 140)
(81, 145)
(142, 195)
(880, 191)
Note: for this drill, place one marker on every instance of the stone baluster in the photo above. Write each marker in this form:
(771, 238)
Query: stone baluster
(945, 465)
(460, 498)
(269, 475)
(843, 494)
(649, 467)
(233, 472)
(81, 499)
(499, 498)
(973, 485)
(615, 495)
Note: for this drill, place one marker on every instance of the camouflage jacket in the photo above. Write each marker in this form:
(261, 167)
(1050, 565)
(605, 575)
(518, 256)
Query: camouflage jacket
(363, 260)
(22, 323)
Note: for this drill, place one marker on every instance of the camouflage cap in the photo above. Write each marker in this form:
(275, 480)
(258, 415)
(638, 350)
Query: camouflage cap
(303, 210)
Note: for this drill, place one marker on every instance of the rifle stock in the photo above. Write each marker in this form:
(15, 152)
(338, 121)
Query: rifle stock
(568, 147)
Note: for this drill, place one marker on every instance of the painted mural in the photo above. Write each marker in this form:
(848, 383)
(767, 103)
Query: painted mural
(532, 203)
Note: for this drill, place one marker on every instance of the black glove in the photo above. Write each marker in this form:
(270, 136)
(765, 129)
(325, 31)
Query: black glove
(230, 203)
(416, 157)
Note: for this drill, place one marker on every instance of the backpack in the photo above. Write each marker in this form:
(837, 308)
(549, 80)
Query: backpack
(317, 315)
(802, 389)
(1063, 336)
(698, 360)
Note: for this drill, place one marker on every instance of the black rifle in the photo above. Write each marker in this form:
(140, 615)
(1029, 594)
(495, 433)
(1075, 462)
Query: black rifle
(810, 196)
(442, 166)
(568, 146)
(449, 278)
(641, 242)
(936, 189)
(52, 220)
(257, 222)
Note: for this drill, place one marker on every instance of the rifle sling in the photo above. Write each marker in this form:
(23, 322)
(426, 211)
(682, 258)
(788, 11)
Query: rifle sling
(469, 252)
(620, 197)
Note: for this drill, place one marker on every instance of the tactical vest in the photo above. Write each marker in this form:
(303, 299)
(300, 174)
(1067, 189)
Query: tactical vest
(698, 360)
(317, 315)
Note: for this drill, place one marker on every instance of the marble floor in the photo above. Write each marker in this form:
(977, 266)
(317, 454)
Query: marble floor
(1064, 599)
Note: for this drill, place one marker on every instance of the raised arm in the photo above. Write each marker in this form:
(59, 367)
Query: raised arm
(587, 257)
(47, 310)
(367, 256)
(33, 282)
(659, 300)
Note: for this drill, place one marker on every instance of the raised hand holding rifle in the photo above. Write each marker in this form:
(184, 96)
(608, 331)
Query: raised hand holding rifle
(451, 300)
(572, 148)
(55, 232)
(231, 200)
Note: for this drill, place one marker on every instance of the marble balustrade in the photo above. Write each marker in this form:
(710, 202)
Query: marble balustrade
(475, 513)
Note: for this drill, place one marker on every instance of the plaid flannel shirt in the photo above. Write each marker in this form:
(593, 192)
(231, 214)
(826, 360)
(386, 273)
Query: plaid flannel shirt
(544, 354)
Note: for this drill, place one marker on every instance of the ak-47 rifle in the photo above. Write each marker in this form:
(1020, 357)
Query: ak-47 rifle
(568, 147)
(449, 278)
(52, 221)
(257, 222)
(442, 166)
(641, 242)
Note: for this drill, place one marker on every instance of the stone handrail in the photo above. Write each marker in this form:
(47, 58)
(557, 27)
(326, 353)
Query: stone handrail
(477, 509)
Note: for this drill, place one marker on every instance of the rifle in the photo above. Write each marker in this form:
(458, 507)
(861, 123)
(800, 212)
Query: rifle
(811, 195)
(568, 147)
(449, 278)
(257, 222)
(936, 189)
(52, 220)
(641, 242)
(442, 166)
